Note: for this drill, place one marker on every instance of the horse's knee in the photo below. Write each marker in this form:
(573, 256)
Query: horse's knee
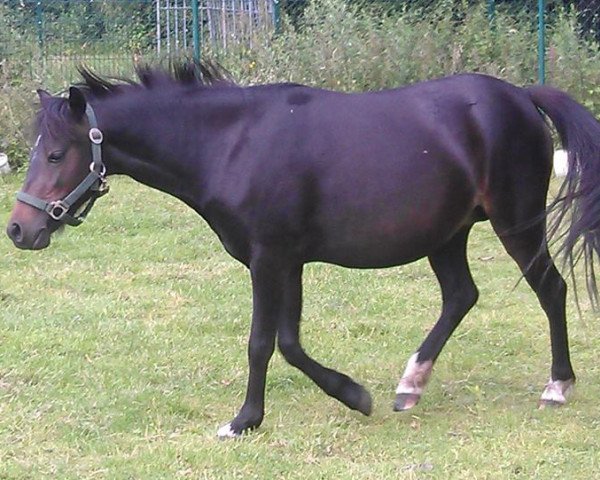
(559, 288)
(463, 299)
(260, 350)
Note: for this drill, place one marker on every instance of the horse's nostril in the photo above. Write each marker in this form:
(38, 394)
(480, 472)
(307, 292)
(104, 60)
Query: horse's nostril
(15, 232)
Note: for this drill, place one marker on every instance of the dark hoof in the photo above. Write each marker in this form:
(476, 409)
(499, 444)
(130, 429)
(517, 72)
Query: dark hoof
(356, 397)
(406, 401)
(365, 403)
(226, 431)
(248, 419)
(230, 430)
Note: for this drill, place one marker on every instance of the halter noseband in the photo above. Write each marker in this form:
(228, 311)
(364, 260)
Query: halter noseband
(94, 182)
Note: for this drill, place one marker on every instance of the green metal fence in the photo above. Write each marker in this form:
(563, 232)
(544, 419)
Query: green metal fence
(190, 24)
(43, 38)
(113, 35)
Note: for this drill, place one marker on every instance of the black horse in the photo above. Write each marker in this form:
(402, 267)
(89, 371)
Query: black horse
(287, 174)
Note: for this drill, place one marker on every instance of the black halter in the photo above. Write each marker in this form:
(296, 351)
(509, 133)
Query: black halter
(94, 182)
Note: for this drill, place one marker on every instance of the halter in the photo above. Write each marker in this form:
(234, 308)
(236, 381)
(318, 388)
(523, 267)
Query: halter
(94, 182)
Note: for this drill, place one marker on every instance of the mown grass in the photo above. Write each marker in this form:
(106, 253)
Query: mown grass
(122, 349)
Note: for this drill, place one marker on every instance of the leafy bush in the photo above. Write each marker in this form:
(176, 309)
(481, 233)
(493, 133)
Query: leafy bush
(16, 113)
(574, 60)
(354, 47)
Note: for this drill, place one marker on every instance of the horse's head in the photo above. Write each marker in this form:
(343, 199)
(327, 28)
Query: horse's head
(65, 174)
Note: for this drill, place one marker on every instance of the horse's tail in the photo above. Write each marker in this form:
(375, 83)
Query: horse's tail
(575, 213)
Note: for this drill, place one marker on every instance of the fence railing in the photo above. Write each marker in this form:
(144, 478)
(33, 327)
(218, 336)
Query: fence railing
(190, 24)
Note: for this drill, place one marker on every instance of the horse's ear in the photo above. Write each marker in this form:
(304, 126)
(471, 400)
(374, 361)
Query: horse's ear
(77, 102)
(44, 97)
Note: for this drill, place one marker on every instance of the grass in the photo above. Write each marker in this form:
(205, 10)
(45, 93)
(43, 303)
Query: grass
(122, 350)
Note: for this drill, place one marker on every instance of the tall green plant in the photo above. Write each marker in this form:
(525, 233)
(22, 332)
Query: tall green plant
(359, 46)
(574, 60)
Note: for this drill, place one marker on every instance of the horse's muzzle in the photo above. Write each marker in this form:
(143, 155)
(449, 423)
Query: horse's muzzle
(36, 240)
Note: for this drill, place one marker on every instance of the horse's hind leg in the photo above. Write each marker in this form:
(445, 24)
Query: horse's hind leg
(459, 294)
(528, 247)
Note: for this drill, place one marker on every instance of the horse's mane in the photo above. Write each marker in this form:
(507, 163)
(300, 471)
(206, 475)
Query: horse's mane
(54, 117)
(201, 74)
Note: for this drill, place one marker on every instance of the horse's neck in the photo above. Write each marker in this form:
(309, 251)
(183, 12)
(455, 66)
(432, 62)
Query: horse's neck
(159, 145)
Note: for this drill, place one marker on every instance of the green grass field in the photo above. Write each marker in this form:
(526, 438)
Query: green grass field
(123, 349)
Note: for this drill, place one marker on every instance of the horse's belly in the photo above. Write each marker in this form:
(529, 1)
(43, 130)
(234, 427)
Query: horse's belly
(391, 227)
(381, 247)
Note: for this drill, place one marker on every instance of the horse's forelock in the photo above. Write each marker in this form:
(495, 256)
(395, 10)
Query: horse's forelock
(54, 119)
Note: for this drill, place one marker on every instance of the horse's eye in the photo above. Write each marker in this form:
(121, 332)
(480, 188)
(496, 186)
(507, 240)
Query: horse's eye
(55, 157)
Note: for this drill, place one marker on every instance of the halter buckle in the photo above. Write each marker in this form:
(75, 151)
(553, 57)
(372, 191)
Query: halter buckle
(57, 209)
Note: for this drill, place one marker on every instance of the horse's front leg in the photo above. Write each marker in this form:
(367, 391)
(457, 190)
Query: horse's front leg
(268, 291)
(333, 383)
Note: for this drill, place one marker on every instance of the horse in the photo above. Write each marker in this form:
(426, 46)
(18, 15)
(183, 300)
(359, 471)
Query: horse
(287, 174)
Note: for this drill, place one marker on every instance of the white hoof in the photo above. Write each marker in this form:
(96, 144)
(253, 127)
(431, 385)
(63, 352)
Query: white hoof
(226, 432)
(556, 392)
(415, 377)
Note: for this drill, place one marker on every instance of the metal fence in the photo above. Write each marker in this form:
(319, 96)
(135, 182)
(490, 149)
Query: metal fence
(41, 38)
(112, 35)
(189, 24)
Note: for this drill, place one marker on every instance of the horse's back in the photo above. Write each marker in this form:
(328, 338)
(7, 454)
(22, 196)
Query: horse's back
(383, 178)
(468, 119)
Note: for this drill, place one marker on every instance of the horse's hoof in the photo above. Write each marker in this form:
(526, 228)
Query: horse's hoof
(556, 393)
(227, 432)
(365, 402)
(542, 404)
(406, 401)
(354, 396)
(413, 383)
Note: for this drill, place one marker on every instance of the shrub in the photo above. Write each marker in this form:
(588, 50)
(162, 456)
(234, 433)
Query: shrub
(574, 60)
(16, 113)
(354, 47)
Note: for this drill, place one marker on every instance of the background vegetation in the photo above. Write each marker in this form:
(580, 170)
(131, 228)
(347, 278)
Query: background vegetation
(332, 44)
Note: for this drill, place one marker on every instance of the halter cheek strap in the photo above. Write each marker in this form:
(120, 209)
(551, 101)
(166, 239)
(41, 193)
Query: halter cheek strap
(94, 182)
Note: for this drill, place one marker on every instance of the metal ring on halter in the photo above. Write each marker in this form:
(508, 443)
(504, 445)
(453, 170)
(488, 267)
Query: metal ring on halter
(96, 135)
(102, 172)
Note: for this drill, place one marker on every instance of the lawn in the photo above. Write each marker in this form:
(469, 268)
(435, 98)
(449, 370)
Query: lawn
(122, 350)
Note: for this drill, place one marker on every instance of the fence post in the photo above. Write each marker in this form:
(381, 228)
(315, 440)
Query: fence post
(39, 20)
(542, 41)
(158, 27)
(196, 29)
(491, 11)
(277, 15)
